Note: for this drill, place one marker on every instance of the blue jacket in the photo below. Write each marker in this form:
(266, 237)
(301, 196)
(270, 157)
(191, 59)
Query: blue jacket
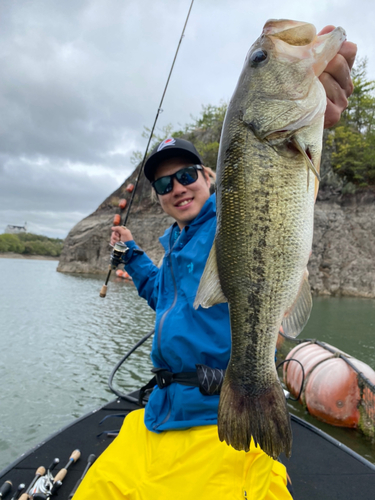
(184, 336)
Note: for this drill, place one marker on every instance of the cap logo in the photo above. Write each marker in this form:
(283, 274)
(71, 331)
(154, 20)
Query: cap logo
(167, 142)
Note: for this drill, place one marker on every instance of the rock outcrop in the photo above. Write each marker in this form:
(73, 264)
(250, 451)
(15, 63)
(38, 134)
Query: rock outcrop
(86, 248)
(342, 260)
(343, 254)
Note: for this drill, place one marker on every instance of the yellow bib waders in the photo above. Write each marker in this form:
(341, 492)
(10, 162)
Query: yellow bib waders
(187, 464)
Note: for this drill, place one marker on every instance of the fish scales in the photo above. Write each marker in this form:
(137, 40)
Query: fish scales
(266, 206)
(267, 230)
(269, 245)
(269, 153)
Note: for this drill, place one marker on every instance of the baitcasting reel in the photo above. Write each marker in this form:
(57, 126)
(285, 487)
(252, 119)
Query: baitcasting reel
(119, 250)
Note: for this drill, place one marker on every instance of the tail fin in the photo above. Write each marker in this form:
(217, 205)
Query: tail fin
(264, 417)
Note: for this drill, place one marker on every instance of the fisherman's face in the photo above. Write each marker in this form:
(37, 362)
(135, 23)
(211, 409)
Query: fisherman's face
(183, 203)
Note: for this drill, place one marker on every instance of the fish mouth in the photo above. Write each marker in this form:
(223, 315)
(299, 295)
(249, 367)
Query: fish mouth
(298, 40)
(294, 33)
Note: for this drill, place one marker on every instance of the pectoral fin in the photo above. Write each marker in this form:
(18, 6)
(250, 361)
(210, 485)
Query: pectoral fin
(209, 291)
(297, 315)
(309, 162)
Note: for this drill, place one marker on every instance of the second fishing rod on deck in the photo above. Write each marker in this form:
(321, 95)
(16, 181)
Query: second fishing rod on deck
(120, 248)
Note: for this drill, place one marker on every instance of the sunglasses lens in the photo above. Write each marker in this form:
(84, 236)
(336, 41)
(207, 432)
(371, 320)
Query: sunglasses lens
(163, 185)
(187, 176)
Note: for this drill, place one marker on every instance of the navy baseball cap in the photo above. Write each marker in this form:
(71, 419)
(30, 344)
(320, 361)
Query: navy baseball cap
(170, 148)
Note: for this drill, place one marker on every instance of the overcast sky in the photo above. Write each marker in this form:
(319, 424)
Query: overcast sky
(79, 80)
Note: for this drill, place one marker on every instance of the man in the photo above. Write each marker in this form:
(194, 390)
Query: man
(183, 336)
(188, 460)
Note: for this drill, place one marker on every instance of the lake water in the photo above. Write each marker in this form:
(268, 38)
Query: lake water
(59, 343)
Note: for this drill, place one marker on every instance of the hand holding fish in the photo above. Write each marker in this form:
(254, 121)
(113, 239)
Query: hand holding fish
(336, 80)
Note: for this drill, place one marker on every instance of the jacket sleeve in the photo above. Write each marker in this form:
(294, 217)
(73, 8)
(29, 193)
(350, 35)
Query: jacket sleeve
(144, 273)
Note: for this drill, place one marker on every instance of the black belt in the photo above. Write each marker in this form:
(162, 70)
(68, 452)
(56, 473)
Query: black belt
(209, 380)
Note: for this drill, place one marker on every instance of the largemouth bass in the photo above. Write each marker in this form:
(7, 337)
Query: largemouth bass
(267, 181)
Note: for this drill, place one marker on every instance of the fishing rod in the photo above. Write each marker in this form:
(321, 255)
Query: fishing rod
(18, 492)
(39, 473)
(42, 489)
(5, 489)
(120, 248)
(90, 461)
(63, 472)
(44, 485)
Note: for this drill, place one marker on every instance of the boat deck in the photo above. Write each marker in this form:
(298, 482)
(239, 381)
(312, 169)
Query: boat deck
(320, 468)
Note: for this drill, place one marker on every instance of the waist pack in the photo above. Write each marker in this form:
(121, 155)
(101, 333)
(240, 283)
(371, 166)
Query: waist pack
(208, 380)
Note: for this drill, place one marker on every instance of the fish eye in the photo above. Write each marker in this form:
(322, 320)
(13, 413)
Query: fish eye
(258, 56)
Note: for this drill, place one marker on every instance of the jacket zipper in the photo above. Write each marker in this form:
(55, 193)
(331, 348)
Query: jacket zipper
(167, 311)
(161, 326)
(174, 299)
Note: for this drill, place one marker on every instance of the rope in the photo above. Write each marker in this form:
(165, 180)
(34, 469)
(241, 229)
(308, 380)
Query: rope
(303, 376)
(122, 360)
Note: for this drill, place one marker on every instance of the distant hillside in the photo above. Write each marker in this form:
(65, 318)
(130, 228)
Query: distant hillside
(31, 244)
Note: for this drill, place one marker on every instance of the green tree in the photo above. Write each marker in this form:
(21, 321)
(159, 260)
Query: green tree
(353, 139)
(32, 244)
(157, 136)
(204, 132)
(10, 243)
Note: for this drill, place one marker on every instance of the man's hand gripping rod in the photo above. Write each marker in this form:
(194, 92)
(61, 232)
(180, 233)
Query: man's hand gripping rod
(116, 258)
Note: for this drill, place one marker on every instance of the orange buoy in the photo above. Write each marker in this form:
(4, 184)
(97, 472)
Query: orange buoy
(116, 220)
(330, 392)
(127, 276)
(119, 273)
(122, 203)
(129, 188)
(308, 355)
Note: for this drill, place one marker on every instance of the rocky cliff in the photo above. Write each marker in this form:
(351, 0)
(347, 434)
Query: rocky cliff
(343, 255)
(342, 260)
(86, 248)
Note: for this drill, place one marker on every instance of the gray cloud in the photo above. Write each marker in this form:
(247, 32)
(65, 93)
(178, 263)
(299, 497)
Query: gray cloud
(59, 187)
(81, 78)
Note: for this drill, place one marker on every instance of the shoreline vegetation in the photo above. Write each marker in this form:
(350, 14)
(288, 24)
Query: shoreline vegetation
(29, 245)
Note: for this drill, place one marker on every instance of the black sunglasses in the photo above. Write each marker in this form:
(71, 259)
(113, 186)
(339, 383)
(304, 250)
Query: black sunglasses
(185, 176)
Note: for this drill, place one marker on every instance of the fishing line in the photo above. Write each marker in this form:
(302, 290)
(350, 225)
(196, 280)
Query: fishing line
(157, 115)
(103, 291)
